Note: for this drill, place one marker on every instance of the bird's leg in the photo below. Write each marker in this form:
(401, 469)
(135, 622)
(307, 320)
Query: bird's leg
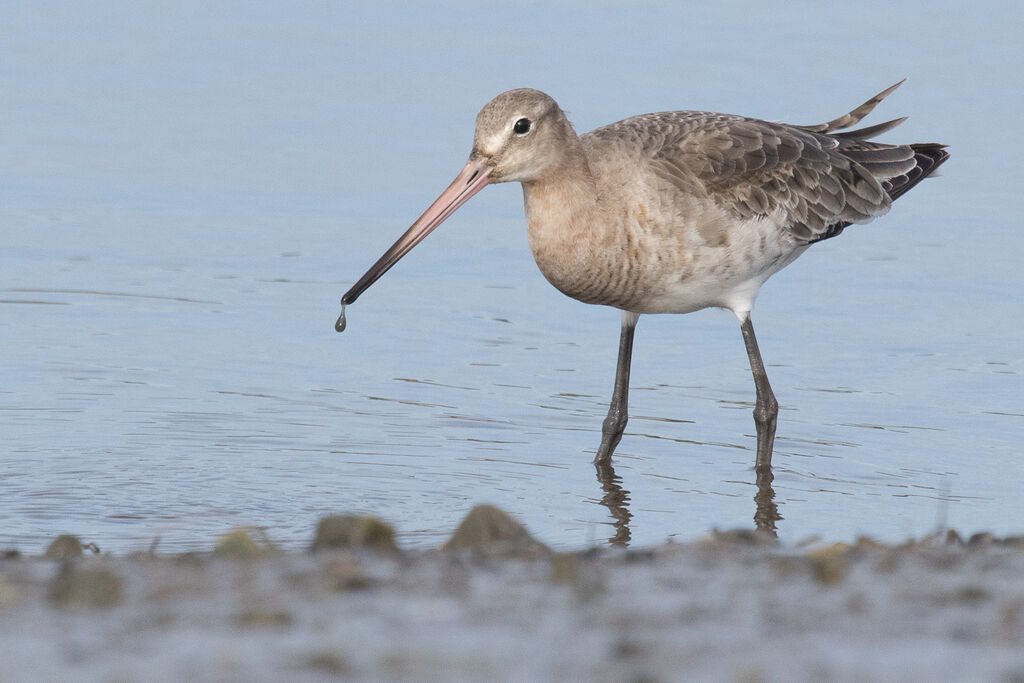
(618, 412)
(766, 409)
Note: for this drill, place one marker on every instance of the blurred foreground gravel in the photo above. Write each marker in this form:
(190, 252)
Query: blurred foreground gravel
(494, 604)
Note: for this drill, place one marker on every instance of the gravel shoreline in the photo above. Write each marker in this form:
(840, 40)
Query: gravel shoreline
(494, 604)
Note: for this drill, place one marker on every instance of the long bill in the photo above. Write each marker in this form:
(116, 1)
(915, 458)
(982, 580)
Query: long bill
(470, 180)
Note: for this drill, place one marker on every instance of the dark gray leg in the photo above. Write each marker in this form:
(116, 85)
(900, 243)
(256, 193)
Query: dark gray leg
(766, 409)
(618, 412)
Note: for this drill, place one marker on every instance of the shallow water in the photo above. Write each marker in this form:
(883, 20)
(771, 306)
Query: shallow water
(185, 194)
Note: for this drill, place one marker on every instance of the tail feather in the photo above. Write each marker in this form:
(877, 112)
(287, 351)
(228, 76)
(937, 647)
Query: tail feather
(926, 159)
(928, 156)
(852, 118)
(870, 131)
(881, 161)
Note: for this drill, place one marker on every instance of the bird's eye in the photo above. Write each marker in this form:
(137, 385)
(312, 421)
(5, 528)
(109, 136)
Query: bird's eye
(522, 127)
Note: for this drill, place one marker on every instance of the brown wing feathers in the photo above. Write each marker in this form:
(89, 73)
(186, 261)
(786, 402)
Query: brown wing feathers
(897, 167)
(819, 179)
(832, 180)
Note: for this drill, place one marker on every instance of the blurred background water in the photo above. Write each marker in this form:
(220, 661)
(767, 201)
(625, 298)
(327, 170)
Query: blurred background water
(186, 190)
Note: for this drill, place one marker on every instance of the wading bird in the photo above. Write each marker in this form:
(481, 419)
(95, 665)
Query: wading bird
(675, 211)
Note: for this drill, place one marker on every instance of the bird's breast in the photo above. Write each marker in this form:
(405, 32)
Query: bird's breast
(589, 253)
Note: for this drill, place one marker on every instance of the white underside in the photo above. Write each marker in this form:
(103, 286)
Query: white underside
(726, 277)
(696, 293)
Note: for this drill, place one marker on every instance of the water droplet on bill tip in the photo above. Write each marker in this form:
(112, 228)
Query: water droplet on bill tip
(340, 325)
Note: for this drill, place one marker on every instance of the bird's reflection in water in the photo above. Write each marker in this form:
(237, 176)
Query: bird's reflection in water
(766, 512)
(616, 499)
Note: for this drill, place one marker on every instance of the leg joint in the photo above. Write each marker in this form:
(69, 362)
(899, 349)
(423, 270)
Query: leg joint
(766, 409)
(615, 423)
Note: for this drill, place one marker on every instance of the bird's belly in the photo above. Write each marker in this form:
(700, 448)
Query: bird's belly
(723, 280)
(710, 278)
(672, 273)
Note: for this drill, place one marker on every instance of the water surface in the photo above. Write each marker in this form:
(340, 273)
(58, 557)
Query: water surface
(186, 191)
